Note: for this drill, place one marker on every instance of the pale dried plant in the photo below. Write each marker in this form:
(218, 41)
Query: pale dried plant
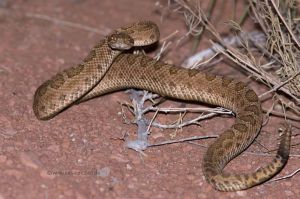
(277, 64)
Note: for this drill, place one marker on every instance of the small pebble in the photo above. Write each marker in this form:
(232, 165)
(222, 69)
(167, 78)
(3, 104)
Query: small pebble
(66, 143)
(104, 172)
(3, 158)
(54, 148)
(187, 148)
(13, 172)
(119, 158)
(80, 161)
(289, 193)
(80, 196)
(46, 174)
(278, 108)
(241, 193)
(128, 167)
(29, 159)
(156, 135)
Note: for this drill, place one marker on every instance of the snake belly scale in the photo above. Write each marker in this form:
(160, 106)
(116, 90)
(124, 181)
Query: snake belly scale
(120, 70)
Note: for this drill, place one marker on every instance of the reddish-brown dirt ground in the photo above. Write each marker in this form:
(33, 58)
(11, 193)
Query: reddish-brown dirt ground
(79, 141)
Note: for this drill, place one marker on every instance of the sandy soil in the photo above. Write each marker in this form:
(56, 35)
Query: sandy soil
(74, 155)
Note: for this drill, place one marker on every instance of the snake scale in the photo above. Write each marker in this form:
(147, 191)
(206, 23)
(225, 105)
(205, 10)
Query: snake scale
(110, 68)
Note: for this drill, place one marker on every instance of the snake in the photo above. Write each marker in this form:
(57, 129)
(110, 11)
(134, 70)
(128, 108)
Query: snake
(110, 67)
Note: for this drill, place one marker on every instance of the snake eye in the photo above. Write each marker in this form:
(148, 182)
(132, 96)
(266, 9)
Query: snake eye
(120, 41)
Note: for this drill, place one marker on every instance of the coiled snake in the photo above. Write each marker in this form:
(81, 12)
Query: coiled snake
(107, 68)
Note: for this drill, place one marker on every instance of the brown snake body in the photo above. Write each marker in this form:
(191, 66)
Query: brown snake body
(68, 86)
(142, 72)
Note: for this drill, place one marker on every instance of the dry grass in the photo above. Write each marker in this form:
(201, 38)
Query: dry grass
(276, 65)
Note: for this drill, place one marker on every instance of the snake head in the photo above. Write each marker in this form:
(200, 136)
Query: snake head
(120, 41)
